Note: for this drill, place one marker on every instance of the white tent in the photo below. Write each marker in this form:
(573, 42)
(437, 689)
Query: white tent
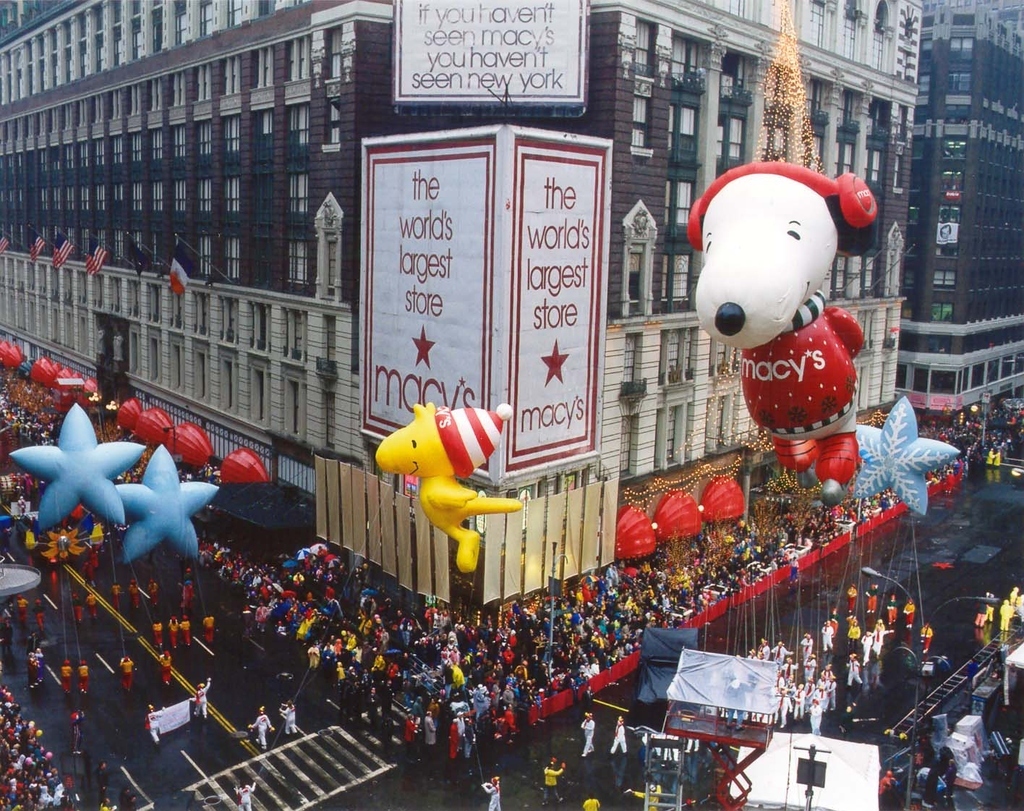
(851, 776)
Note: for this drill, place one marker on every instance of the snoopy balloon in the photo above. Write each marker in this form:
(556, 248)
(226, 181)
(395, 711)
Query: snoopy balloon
(438, 445)
(770, 232)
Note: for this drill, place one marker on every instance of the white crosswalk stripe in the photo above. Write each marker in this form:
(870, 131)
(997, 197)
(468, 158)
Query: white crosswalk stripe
(302, 773)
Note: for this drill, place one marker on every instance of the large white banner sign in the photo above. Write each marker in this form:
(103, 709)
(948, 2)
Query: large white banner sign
(429, 277)
(556, 340)
(490, 51)
(484, 279)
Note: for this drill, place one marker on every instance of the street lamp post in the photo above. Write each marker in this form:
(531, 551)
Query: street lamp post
(917, 655)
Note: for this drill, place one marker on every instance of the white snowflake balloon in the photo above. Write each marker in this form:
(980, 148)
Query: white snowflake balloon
(894, 456)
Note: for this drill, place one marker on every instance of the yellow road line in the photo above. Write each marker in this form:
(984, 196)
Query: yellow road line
(613, 706)
(248, 745)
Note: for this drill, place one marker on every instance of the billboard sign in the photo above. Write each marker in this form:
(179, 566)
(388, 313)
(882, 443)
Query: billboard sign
(484, 278)
(490, 52)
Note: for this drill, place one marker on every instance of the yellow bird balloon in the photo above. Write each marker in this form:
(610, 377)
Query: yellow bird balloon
(438, 445)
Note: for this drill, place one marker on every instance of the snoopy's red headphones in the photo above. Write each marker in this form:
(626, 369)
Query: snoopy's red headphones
(848, 198)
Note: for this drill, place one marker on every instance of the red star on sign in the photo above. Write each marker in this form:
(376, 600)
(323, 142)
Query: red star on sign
(423, 347)
(942, 565)
(554, 363)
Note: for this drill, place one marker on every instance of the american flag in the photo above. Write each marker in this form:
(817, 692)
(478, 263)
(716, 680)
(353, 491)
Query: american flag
(97, 257)
(36, 244)
(62, 249)
(5, 243)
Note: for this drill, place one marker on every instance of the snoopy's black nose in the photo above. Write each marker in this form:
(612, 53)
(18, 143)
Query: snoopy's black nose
(730, 318)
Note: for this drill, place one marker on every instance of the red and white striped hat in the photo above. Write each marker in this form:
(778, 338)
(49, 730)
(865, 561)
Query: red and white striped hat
(470, 435)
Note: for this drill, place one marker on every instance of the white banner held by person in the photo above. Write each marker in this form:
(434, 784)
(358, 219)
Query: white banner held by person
(175, 716)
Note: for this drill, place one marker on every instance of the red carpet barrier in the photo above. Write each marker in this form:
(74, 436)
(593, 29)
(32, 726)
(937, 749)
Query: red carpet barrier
(565, 699)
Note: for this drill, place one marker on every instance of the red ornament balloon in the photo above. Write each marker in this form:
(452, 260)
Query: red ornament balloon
(190, 442)
(153, 426)
(634, 534)
(677, 516)
(722, 500)
(44, 371)
(243, 465)
(129, 412)
(10, 355)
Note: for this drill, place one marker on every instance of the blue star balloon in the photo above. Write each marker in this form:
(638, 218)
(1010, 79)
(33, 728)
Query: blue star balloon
(161, 508)
(78, 470)
(894, 456)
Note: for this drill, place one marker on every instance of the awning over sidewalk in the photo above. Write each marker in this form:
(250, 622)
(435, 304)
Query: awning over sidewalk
(266, 505)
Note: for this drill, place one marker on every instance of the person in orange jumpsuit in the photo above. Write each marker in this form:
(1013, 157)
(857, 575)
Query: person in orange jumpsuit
(40, 612)
(22, 609)
(133, 593)
(115, 596)
(127, 670)
(76, 605)
(92, 605)
(165, 667)
(154, 592)
(186, 631)
(172, 631)
(158, 634)
(851, 599)
(83, 677)
(65, 676)
(208, 623)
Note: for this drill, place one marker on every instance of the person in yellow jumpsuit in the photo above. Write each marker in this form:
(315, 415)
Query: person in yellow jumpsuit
(1005, 615)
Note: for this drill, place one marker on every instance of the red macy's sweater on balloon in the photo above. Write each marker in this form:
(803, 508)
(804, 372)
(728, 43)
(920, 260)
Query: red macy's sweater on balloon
(804, 379)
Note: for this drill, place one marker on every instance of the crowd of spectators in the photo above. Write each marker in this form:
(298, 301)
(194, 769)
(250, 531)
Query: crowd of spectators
(476, 683)
(30, 779)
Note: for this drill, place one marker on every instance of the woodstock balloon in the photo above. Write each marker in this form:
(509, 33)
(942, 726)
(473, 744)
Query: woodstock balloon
(769, 232)
(438, 445)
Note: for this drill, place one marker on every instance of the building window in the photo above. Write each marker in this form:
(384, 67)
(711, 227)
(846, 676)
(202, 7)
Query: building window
(959, 82)
(136, 147)
(204, 138)
(156, 94)
(158, 197)
(640, 109)
(945, 278)
(206, 18)
(294, 410)
(627, 447)
(258, 406)
(232, 196)
(874, 173)
(730, 138)
(137, 198)
(232, 133)
(334, 121)
(178, 136)
(228, 384)
(631, 358)
(180, 197)
(201, 376)
(298, 59)
(180, 22)
(154, 358)
(642, 50)
(942, 312)
(818, 23)
(117, 149)
(177, 380)
(203, 83)
(849, 36)
(297, 261)
(178, 87)
(205, 196)
(232, 257)
(298, 125)
(232, 75)
(681, 201)
(298, 195)
(844, 158)
(265, 67)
